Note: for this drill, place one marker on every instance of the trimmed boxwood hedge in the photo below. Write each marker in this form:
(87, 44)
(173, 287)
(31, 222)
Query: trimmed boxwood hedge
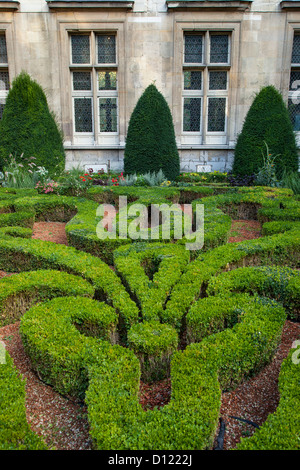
(15, 433)
(149, 271)
(153, 343)
(279, 283)
(235, 343)
(281, 429)
(26, 255)
(20, 291)
(67, 359)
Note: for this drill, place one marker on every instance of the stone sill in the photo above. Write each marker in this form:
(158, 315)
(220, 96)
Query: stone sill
(204, 147)
(94, 147)
(122, 147)
(9, 6)
(89, 5)
(239, 5)
(292, 5)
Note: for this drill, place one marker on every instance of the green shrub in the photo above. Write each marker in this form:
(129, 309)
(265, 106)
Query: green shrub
(19, 292)
(150, 271)
(18, 254)
(15, 433)
(238, 333)
(281, 429)
(150, 144)
(154, 344)
(267, 121)
(277, 282)
(28, 128)
(108, 376)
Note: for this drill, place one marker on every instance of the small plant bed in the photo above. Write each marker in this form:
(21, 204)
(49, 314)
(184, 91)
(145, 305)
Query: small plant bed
(172, 338)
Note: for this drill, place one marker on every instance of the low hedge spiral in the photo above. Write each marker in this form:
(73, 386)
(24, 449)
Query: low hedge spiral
(77, 343)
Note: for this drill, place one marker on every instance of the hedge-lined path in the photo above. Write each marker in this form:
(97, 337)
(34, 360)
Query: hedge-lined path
(256, 398)
(59, 421)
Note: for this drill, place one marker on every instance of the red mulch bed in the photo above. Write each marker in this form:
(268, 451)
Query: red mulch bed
(63, 423)
(50, 231)
(244, 230)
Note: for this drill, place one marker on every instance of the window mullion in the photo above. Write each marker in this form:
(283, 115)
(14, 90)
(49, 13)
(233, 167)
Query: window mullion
(204, 105)
(96, 105)
(4, 73)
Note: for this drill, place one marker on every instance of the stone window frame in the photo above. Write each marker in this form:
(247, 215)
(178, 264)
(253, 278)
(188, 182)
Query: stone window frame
(94, 94)
(288, 93)
(9, 66)
(95, 139)
(207, 139)
(206, 93)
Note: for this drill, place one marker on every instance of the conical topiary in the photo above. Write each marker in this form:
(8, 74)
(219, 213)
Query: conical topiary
(150, 144)
(28, 127)
(267, 123)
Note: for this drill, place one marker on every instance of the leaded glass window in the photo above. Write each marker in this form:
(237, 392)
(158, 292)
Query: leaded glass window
(3, 50)
(193, 50)
(2, 105)
(106, 45)
(108, 114)
(83, 115)
(192, 80)
(219, 48)
(80, 46)
(205, 87)
(294, 79)
(4, 75)
(4, 81)
(107, 80)
(192, 114)
(94, 88)
(218, 80)
(216, 114)
(294, 111)
(296, 50)
(82, 81)
(294, 85)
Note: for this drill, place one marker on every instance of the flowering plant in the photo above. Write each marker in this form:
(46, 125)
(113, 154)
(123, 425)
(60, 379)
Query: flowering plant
(49, 187)
(23, 173)
(118, 181)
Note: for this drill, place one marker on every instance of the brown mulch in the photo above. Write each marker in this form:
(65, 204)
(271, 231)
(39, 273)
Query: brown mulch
(50, 231)
(244, 230)
(63, 423)
(155, 395)
(255, 398)
(59, 421)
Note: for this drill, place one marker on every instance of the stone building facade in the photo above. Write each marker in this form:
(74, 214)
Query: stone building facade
(208, 58)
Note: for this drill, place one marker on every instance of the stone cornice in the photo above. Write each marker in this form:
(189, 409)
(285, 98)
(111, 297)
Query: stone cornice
(209, 5)
(9, 6)
(58, 5)
(290, 5)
